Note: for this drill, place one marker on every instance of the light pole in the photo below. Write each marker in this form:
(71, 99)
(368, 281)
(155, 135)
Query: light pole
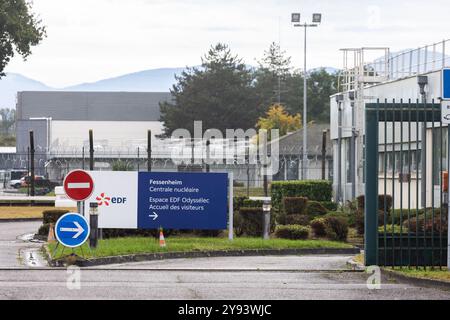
(317, 19)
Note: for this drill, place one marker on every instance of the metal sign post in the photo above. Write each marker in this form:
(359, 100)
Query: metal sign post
(448, 202)
(230, 207)
(445, 111)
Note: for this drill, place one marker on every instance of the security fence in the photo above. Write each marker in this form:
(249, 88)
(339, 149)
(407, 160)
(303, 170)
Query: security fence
(406, 208)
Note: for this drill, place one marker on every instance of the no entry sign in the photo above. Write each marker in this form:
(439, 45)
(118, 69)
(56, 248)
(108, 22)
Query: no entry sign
(78, 185)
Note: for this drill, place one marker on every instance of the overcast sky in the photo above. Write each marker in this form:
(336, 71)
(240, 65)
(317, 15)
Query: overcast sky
(89, 40)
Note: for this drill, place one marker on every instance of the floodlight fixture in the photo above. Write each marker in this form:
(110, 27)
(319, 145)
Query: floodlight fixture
(317, 18)
(295, 18)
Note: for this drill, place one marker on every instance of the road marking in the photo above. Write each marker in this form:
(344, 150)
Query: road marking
(80, 185)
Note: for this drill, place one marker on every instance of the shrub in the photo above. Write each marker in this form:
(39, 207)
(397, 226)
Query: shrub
(43, 230)
(315, 209)
(52, 216)
(292, 232)
(330, 205)
(295, 205)
(247, 203)
(381, 199)
(238, 202)
(298, 219)
(318, 227)
(121, 165)
(421, 225)
(311, 189)
(237, 224)
(252, 221)
(398, 215)
(336, 228)
(389, 229)
(359, 220)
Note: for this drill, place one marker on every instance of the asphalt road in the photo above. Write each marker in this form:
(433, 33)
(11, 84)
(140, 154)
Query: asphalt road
(13, 250)
(291, 277)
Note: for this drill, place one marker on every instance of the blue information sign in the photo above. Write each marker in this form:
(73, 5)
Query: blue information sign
(446, 84)
(72, 230)
(182, 200)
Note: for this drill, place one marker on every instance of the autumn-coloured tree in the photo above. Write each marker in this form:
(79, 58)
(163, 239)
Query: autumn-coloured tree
(278, 118)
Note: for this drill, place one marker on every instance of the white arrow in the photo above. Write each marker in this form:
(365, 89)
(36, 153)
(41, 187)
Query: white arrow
(79, 230)
(154, 216)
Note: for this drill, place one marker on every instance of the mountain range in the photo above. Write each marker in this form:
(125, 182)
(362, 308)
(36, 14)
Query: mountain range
(154, 80)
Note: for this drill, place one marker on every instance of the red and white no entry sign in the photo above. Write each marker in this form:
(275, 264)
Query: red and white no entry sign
(78, 185)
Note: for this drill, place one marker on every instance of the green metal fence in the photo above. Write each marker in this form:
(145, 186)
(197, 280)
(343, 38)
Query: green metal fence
(399, 230)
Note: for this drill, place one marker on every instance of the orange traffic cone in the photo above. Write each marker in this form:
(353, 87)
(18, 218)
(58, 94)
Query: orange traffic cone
(51, 233)
(162, 241)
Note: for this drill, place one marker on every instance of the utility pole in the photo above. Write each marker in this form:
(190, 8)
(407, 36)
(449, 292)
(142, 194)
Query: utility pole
(317, 19)
(91, 150)
(324, 153)
(31, 182)
(422, 81)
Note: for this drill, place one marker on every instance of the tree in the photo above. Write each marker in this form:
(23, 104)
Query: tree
(273, 72)
(278, 118)
(20, 29)
(219, 93)
(7, 121)
(321, 85)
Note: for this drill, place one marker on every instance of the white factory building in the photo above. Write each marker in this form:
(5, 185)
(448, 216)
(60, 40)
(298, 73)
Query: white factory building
(388, 76)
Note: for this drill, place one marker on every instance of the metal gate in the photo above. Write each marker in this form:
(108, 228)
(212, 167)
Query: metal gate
(405, 206)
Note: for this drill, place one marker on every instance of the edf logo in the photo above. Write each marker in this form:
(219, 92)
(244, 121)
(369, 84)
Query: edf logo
(103, 199)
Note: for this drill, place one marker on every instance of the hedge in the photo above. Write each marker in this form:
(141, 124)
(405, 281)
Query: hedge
(318, 226)
(329, 205)
(250, 222)
(295, 205)
(333, 227)
(52, 216)
(297, 219)
(247, 203)
(361, 200)
(315, 209)
(238, 202)
(314, 190)
(336, 228)
(292, 232)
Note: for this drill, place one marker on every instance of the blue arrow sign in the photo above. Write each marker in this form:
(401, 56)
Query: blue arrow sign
(72, 230)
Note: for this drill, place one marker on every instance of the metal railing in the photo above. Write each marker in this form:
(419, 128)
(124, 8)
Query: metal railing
(391, 66)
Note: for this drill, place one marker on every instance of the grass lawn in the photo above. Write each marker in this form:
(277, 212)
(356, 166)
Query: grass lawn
(124, 246)
(436, 274)
(26, 212)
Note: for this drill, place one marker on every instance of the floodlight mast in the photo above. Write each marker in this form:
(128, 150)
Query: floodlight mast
(295, 19)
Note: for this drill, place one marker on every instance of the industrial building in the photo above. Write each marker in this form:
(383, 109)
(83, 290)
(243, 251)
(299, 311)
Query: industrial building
(412, 75)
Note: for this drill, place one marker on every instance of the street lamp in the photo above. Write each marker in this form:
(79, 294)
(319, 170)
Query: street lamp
(295, 19)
